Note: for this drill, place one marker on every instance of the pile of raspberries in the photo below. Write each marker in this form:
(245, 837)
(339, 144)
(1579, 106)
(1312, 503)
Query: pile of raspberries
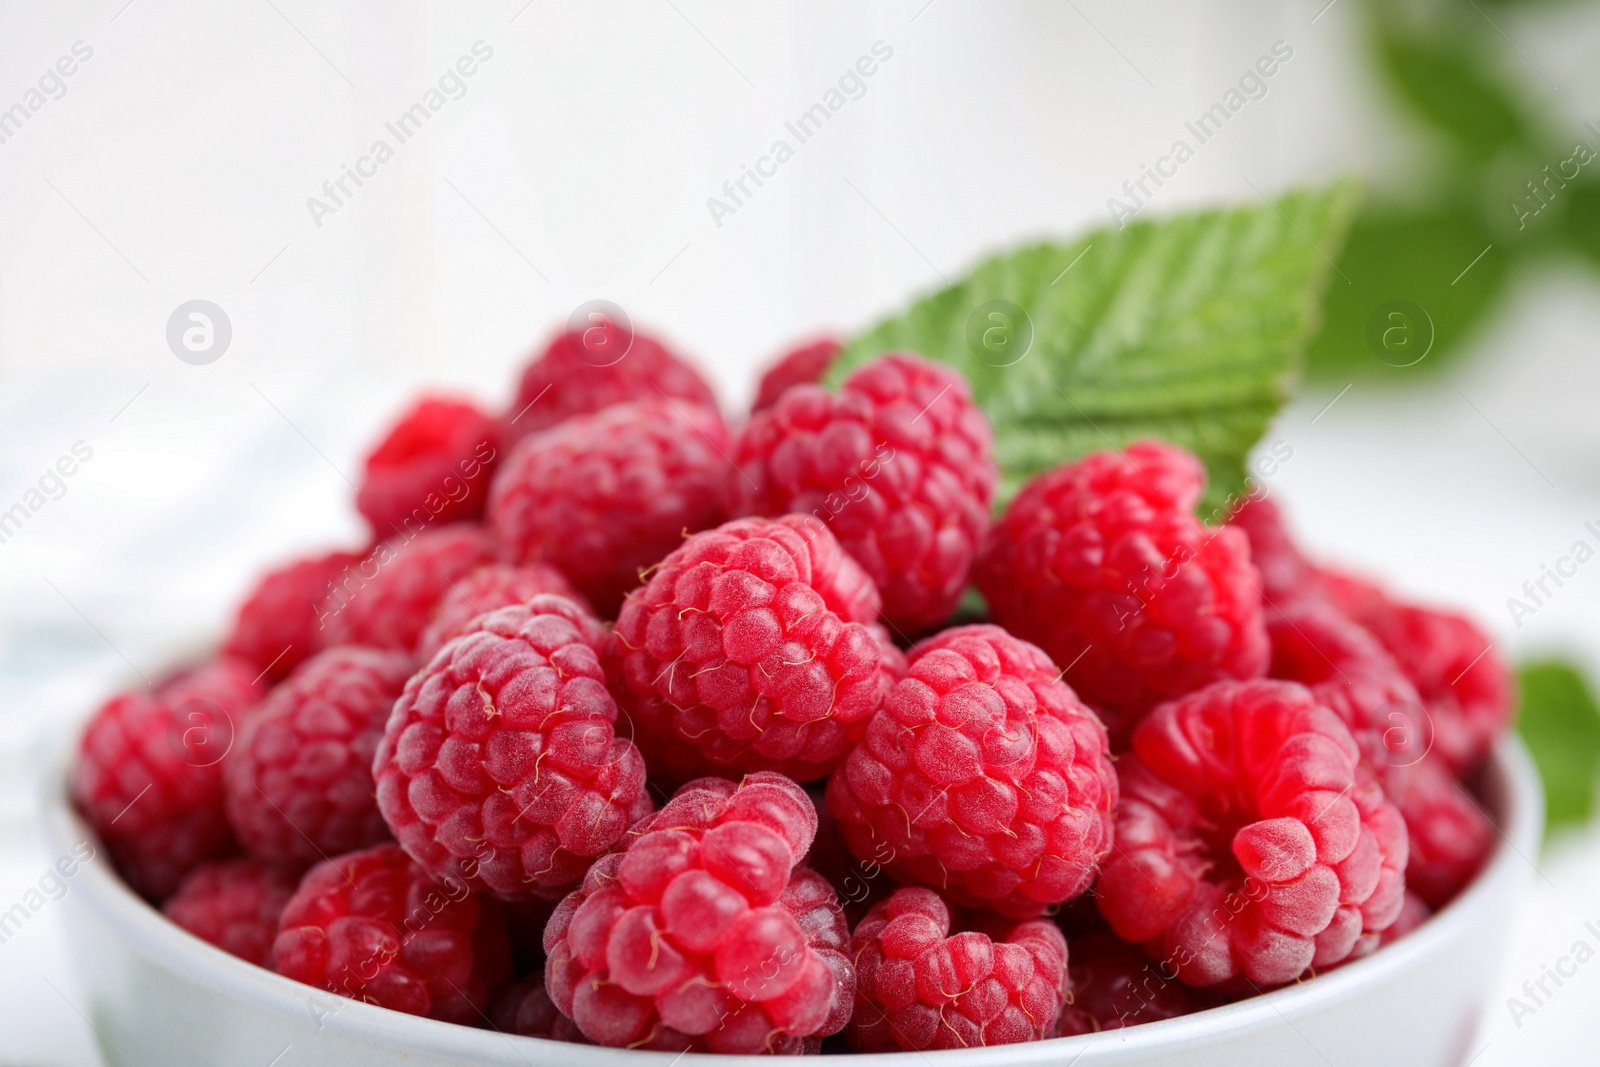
(636, 728)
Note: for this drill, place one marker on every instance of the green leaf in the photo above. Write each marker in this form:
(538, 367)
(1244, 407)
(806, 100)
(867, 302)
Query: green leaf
(1446, 81)
(1439, 261)
(1189, 328)
(1560, 723)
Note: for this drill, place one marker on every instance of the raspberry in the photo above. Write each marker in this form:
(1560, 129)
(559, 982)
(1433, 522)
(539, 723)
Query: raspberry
(489, 588)
(586, 371)
(432, 466)
(299, 779)
(234, 905)
(386, 599)
(499, 767)
(1286, 575)
(276, 627)
(1116, 985)
(1104, 565)
(373, 926)
(982, 776)
(1456, 668)
(799, 366)
(148, 774)
(1450, 835)
(919, 987)
(704, 934)
(900, 465)
(732, 659)
(603, 495)
(1353, 675)
(1251, 840)
(526, 1009)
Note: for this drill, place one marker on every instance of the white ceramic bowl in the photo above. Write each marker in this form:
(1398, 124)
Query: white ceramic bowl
(162, 998)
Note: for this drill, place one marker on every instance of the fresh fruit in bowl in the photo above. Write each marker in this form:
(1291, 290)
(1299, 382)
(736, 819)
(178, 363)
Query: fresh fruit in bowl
(1157, 761)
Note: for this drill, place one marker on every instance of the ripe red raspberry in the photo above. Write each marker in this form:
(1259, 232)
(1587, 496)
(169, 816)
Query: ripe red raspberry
(1450, 835)
(386, 599)
(526, 1009)
(1103, 564)
(899, 464)
(1354, 676)
(585, 371)
(276, 627)
(799, 366)
(149, 776)
(299, 778)
(603, 496)
(919, 987)
(1115, 985)
(499, 766)
(489, 588)
(1287, 577)
(731, 658)
(234, 905)
(984, 776)
(1251, 840)
(433, 465)
(704, 934)
(373, 926)
(1460, 675)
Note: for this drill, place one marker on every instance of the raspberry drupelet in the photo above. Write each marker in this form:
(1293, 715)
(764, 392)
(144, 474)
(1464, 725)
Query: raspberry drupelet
(276, 627)
(1252, 842)
(899, 464)
(920, 987)
(299, 779)
(489, 588)
(605, 495)
(588, 370)
(433, 465)
(499, 765)
(234, 905)
(706, 933)
(733, 659)
(149, 772)
(799, 366)
(385, 599)
(373, 926)
(982, 776)
(1103, 564)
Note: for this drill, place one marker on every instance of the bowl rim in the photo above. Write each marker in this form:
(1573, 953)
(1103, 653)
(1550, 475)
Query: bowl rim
(1510, 778)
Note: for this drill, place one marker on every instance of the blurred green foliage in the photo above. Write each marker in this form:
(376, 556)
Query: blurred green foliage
(1496, 189)
(1560, 723)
